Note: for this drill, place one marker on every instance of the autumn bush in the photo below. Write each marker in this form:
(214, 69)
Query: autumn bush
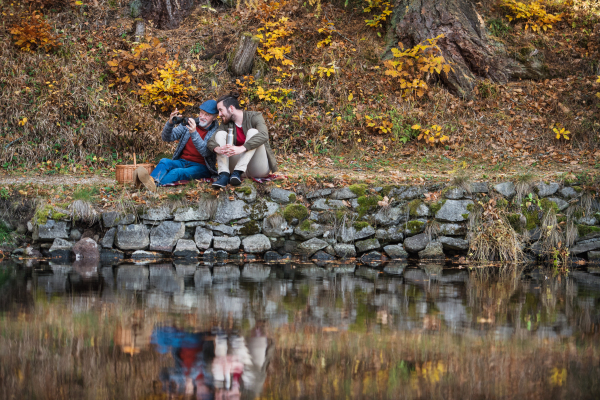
(141, 64)
(173, 88)
(33, 32)
(532, 14)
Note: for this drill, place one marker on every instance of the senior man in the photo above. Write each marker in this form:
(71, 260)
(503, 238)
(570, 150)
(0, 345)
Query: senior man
(192, 158)
(250, 154)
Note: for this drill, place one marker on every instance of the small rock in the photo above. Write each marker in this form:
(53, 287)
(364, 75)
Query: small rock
(416, 243)
(247, 192)
(327, 204)
(165, 236)
(230, 210)
(318, 193)
(256, 244)
(203, 238)
(311, 246)
(157, 214)
(330, 250)
(53, 230)
(454, 211)
(18, 251)
(433, 251)
(29, 226)
(282, 196)
(479, 187)
(390, 216)
(450, 243)
(21, 228)
(562, 205)
(407, 192)
(455, 194)
(271, 256)
(261, 209)
(585, 246)
(587, 220)
(290, 246)
(186, 249)
(111, 256)
(594, 255)
(86, 249)
(414, 227)
(343, 194)
(229, 230)
(187, 214)
(114, 218)
(391, 234)
(32, 252)
(75, 234)
(506, 189)
(366, 245)
(345, 250)
(453, 229)
(132, 237)
(348, 235)
(395, 251)
(545, 190)
(321, 258)
(282, 229)
(61, 249)
(568, 193)
(229, 244)
(315, 230)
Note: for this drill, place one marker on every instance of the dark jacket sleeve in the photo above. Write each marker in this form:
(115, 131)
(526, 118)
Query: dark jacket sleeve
(171, 132)
(258, 123)
(212, 143)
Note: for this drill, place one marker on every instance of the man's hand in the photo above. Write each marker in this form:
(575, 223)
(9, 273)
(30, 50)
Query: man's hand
(222, 149)
(191, 125)
(229, 150)
(174, 114)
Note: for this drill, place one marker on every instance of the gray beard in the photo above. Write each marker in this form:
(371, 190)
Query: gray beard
(201, 125)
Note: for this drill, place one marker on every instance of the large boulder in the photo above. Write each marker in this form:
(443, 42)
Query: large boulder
(506, 189)
(203, 238)
(416, 243)
(344, 250)
(546, 189)
(454, 211)
(585, 246)
(61, 249)
(53, 229)
(311, 246)
(256, 244)
(132, 237)
(87, 249)
(395, 251)
(282, 196)
(230, 210)
(229, 244)
(188, 213)
(165, 236)
(433, 251)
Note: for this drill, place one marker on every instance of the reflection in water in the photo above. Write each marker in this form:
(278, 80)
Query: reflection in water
(343, 331)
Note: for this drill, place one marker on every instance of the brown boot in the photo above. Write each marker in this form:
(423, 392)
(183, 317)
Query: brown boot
(142, 177)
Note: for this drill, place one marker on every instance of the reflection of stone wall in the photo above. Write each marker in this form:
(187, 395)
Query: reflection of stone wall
(356, 221)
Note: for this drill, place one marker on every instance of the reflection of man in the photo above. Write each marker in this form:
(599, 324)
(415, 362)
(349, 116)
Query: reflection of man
(192, 159)
(250, 153)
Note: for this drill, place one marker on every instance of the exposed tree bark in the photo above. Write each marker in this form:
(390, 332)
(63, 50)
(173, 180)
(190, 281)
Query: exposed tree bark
(243, 57)
(140, 30)
(465, 43)
(166, 14)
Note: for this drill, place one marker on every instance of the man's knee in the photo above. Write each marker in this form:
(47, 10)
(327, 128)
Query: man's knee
(164, 160)
(221, 138)
(251, 132)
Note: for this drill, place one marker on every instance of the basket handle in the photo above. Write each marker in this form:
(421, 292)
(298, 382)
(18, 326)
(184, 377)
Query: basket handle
(134, 160)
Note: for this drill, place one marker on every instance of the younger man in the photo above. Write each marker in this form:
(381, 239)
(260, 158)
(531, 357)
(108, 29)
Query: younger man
(250, 153)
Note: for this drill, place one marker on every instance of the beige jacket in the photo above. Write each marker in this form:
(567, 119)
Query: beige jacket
(252, 119)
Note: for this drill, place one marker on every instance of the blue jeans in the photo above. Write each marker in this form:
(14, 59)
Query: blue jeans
(170, 171)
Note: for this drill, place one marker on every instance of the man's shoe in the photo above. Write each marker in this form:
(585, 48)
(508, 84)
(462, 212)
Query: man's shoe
(236, 178)
(142, 177)
(222, 181)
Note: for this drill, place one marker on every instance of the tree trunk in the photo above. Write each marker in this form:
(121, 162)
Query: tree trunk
(166, 14)
(465, 44)
(243, 57)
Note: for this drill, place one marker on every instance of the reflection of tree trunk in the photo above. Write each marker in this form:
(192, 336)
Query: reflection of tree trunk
(166, 14)
(465, 43)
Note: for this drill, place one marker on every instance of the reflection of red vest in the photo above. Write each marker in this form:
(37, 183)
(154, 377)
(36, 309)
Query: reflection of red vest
(190, 153)
(188, 357)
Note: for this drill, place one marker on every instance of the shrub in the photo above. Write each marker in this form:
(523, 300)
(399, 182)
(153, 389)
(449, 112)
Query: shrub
(34, 33)
(138, 65)
(533, 14)
(412, 65)
(173, 88)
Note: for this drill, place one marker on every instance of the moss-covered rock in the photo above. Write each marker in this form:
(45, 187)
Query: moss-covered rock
(298, 211)
(532, 216)
(250, 228)
(358, 189)
(292, 197)
(360, 225)
(436, 206)
(584, 230)
(385, 191)
(413, 207)
(246, 190)
(415, 226)
(514, 220)
(502, 203)
(367, 203)
(46, 212)
(547, 205)
(305, 225)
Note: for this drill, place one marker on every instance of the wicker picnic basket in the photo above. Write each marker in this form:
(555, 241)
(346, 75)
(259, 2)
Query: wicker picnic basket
(125, 172)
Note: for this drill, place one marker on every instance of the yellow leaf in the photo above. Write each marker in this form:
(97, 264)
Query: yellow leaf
(350, 97)
(417, 126)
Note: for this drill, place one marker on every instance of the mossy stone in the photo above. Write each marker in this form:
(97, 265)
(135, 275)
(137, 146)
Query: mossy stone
(585, 230)
(414, 226)
(250, 228)
(548, 205)
(515, 221)
(359, 189)
(385, 191)
(292, 197)
(297, 211)
(532, 217)
(502, 203)
(306, 225)
(360, 225)
(246, 190)
(437, 206)
(42, 214)
(366, 203)
(413, 207)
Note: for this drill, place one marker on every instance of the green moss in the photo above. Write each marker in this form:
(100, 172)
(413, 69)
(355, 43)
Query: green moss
(578, 214)
(42, 214)
(413, 207)
(361, 225)
(578, 189)
(437, 206)
(366, 203)
(292, 197)
(414, 226)
(465, 216)
(502, 203)
(532, 217)
(245, 190)
(515, 221)
(387, 189)
(546, 204)
(585, 230)
(306, 225)
(561, 219)
(359, 189)
(250, 228)
(470, 207)
(297, 211)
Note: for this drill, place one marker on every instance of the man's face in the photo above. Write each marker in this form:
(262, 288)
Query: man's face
(205, 119)
(224, 113)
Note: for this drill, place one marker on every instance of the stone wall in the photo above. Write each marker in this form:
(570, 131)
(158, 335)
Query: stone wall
(373, 224)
